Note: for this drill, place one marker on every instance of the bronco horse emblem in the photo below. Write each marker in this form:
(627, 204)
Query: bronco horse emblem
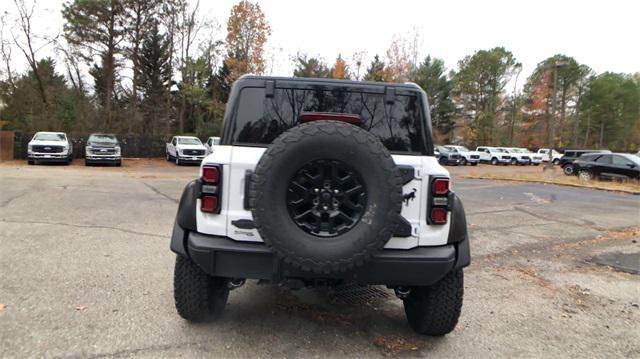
(409, 197)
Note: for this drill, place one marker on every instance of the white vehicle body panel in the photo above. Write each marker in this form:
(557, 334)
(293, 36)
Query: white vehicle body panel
(237, 160)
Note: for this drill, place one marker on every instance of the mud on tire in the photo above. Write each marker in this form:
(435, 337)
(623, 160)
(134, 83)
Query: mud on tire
(435, 310)
(198, 296)
(281, 165)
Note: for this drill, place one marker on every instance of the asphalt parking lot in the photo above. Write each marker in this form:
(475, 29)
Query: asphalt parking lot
(86, 271)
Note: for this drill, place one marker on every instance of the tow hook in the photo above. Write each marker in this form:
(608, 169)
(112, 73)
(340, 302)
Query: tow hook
(235, 283)
(402, 292)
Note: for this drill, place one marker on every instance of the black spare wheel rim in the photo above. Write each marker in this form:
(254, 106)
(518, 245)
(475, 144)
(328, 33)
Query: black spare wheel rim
(326, 198)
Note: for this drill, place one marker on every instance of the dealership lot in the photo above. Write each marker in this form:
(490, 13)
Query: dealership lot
(86, 271)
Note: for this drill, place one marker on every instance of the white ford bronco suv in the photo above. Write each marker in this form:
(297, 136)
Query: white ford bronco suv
(318, 183)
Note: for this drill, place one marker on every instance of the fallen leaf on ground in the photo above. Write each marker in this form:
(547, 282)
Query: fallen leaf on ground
(81, 307)
(2, 307)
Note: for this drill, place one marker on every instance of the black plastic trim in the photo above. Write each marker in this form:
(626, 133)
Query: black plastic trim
(221, 256)
(243, 224)
(247, 189)
(186, 216)
(403, 227)
(457, 219)
(407, 172)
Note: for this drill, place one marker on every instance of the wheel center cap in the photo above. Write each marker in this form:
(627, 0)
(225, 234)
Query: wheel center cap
(326, 197)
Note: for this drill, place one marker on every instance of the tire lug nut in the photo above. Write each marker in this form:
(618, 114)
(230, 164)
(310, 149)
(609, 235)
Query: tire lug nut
(336, 191)
(316, 190)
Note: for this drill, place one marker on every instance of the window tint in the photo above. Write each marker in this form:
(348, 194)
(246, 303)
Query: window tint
(621, 161)
(570, 154)
(604, 159)
(260, 119)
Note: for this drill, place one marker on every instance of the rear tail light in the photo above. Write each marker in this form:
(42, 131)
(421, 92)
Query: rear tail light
(440, 186)
(439, 215)
(209, 204)
(439, 206)
(210, 174)
(210, 199)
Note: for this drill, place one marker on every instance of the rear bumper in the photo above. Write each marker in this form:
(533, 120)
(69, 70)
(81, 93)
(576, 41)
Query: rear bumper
(224, 257)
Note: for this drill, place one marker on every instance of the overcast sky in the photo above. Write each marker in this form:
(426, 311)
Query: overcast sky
(602, 34)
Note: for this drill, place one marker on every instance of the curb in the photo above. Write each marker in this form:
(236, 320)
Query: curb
(636, 193)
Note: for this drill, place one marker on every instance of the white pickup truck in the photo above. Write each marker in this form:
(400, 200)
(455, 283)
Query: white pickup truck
(467, 156)
(185, 149)
(494, 155)
(555, 155)
(49, 147)
(211, 143)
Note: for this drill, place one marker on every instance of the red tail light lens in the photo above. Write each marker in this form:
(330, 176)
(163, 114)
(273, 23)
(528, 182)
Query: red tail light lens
(440, 186)
(210, 174)
(439, 215)
(209, 204)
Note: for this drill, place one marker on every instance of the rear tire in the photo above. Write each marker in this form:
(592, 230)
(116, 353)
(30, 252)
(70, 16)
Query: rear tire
(556, 161)
(435, 310)
(198, 296)
(585, 175)
(168, 157)
(463, 161)
(514, 161)
(31, 162)
(177, 161)
(494, 161)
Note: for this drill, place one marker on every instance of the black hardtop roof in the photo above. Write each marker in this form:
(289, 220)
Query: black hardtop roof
(331, 82)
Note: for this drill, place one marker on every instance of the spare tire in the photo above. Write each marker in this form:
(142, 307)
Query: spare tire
(325, 196)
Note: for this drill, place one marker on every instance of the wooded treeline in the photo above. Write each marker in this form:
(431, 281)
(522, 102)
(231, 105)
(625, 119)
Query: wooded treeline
(163, 67)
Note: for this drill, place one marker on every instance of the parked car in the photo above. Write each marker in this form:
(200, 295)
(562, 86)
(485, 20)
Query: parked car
(607, 165)
(517, 157)
(185, 149)
(49, 147)
(523, 156)
(466, 156)
(102, 148)
(494, 155)
(566, 161)
(211, 143)
(555, 155)
(447, 157)
(322, 198)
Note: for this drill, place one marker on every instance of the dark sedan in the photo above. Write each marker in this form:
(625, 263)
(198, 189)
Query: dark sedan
(607, 165)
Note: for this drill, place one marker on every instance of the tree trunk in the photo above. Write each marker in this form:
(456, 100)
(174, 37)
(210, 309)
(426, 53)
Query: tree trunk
(586, 136)
(601, 135)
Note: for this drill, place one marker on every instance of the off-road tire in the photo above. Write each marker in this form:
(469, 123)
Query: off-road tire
(434, 310)
(198, 296)
(326, 140)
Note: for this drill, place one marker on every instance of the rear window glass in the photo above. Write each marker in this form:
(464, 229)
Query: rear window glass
(260, 119)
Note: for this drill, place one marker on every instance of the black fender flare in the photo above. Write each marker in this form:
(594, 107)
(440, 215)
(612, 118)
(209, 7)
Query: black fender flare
(185, 218)
(458, 233)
